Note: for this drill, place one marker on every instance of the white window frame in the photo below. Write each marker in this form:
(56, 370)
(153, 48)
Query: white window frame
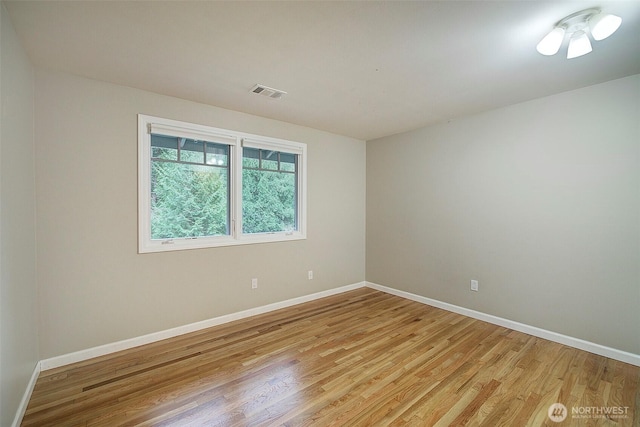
(236, 141)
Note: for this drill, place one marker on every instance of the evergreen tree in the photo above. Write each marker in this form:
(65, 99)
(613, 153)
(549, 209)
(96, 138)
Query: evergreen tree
(189, 200)
(268, 201)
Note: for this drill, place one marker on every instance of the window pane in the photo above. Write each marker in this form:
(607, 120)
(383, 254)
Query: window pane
(287, 162)
(217, 154)
(164, 147)
(188, 200)
(191, 151)
(268, 201)
(269, 159)
(250, 158)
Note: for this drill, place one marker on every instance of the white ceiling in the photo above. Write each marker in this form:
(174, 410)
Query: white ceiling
(360, 69)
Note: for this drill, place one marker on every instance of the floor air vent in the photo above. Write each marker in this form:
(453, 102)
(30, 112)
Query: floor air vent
(268, 91)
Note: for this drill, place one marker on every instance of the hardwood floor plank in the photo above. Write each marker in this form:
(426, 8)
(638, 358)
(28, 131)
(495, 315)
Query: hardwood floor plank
(360, 358)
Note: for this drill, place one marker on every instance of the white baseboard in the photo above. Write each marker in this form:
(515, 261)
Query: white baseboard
(102, 350)
(578, 343)
(22, 408)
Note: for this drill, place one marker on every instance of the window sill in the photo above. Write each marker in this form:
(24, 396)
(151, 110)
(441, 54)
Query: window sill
(170, 245)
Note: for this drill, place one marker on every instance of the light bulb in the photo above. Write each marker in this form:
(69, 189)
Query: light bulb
(579, 45)
(550, 44)
(603, 25)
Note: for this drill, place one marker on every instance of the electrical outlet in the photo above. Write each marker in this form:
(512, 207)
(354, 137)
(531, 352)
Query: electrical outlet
(254, 283)
(310, 274)
(474, 285)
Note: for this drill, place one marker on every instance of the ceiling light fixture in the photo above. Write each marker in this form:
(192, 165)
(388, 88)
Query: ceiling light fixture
(578, 26)
(579, 45)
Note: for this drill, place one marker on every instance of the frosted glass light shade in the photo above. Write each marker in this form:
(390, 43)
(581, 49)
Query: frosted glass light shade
(579, 45)
(603, 25)
(550, 44)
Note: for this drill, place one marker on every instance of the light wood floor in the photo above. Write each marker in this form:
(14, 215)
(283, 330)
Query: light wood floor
(361, 358)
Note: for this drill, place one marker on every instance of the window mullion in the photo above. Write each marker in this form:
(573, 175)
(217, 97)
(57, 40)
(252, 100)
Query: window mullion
(237, 192)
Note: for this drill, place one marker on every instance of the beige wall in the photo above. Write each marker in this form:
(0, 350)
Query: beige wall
(94, 286)
(18, 293)
(538, 201)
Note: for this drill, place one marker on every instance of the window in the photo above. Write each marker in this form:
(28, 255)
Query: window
(189, 188)
(269, 191)
(203, 187)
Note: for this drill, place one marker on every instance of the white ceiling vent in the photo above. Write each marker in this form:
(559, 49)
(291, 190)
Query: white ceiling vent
(268, 91)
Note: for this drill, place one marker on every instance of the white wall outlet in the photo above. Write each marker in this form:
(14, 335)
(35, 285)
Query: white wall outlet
(474, 285)
(254, 283)
(310, 274)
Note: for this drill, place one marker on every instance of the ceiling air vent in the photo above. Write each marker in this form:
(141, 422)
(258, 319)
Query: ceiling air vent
(268, 91)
